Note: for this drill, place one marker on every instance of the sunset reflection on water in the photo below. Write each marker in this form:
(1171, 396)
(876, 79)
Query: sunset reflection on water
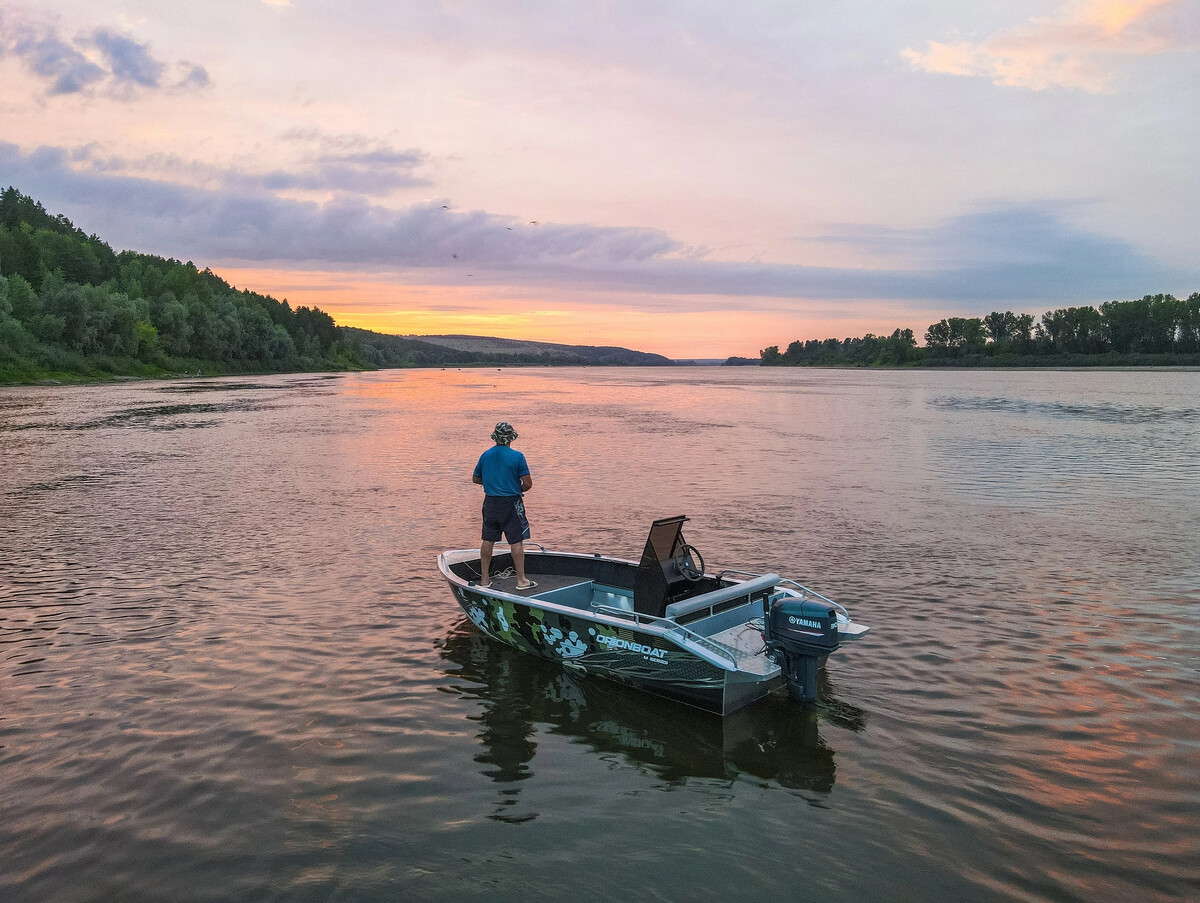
(230, 669)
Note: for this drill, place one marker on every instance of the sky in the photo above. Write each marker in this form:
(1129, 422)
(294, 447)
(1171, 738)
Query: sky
(689, 177)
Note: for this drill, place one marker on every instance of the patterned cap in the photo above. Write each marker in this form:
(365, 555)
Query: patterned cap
(504, 433)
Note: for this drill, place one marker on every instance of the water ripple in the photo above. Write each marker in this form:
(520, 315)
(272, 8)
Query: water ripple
(1101, 412)
(230, 670)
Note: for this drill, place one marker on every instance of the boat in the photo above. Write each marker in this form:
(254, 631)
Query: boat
(717, 642)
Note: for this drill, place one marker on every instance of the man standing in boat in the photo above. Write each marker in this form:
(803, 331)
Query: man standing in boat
(504, 476)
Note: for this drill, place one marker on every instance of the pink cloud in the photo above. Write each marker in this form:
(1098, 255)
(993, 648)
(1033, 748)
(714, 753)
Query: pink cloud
(1074, 49)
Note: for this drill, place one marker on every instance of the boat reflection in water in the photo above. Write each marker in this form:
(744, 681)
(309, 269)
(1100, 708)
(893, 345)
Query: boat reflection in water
(774, 740)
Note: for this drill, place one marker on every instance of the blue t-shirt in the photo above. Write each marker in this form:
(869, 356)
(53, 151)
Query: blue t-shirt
(501, 468)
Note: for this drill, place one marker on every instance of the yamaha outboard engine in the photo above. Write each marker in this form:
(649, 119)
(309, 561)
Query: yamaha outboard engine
(800, 633)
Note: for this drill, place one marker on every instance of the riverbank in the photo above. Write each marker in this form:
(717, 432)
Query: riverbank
(1108, 361)
(1058, 361)
(70, 369)
(81, 370)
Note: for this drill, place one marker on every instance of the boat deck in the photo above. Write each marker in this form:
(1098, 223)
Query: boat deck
(545, 583)
(746, 642)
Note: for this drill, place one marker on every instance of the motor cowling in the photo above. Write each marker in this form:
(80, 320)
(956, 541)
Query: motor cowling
(800, 633)
(803, 625)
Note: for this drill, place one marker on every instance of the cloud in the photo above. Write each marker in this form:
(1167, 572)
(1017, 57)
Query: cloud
(102, 57)
(192, 76)
(1010, 255)
(66, 69)
(128, 60)
(371, 172)
(333, 167)
(239, 224)
(1074, 49)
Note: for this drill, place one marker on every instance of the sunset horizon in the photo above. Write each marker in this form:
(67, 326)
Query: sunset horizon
(690, 182)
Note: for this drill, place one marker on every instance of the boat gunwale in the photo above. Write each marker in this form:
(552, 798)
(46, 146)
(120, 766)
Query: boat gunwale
(664, 628)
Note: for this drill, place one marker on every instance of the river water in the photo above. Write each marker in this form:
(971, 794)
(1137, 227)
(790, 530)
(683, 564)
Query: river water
(229, 669)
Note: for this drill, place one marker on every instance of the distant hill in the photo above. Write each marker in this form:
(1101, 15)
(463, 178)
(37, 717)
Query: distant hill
(447, 350)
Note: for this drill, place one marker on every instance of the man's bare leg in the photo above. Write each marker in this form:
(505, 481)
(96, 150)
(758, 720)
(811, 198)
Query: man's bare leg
(518, 555)
(485, 563)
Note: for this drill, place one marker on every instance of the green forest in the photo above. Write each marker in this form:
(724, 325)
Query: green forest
(72, 308)
(1154, 330)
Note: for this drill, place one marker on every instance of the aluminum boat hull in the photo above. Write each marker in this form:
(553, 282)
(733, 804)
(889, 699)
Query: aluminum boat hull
(581, 615)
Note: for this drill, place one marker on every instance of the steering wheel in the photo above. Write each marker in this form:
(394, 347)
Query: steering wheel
(686, 564)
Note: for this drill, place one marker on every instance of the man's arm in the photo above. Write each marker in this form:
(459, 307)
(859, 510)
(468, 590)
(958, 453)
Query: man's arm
(476, 478)
(526, 483)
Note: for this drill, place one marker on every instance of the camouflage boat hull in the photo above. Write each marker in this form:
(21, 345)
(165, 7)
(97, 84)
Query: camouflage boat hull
(618, 653)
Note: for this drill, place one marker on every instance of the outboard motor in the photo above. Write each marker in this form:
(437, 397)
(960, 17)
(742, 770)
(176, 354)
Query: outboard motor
(800, 634)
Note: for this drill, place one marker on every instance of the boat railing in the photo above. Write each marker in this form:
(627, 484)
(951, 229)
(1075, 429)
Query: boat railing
(812, 592)
(731, 572)
(640, 619)
(807, 591)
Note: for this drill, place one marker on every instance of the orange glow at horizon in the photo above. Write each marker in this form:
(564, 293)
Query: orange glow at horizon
(382, 304)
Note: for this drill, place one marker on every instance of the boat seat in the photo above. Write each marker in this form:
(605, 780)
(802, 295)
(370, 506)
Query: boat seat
(677, 610)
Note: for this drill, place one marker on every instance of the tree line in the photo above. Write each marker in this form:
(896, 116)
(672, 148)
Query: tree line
(69, 304)
(1155, 329)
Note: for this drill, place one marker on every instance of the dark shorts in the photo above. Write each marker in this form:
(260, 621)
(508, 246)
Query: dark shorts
(504, 514)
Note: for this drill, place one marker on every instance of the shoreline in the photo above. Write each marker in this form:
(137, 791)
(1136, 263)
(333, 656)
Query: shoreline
(51, 379)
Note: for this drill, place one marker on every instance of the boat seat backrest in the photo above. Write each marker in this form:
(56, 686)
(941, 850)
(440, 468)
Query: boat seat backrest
(677, 610)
